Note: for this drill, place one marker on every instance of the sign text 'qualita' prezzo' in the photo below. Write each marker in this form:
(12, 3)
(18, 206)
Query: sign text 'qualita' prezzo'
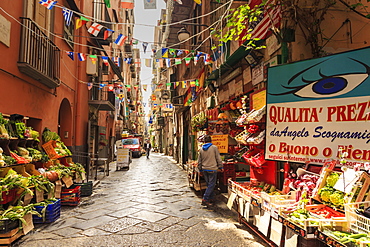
(279, 114)
(341, 113)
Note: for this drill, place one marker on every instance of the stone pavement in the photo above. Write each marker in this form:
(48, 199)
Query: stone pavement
(150, 204)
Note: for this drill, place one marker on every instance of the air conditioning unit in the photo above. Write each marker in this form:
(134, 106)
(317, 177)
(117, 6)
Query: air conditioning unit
(91, 69)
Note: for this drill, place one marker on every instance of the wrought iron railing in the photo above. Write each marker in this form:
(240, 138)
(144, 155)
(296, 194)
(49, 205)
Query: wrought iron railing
(39, 57)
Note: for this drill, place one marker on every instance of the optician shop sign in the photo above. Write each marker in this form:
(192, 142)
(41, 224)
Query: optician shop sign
(319, 106)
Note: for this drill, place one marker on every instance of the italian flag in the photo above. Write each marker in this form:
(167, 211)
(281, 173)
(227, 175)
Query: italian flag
(127, 4)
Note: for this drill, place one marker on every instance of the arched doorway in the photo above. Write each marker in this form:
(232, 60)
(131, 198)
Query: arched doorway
(65, 122)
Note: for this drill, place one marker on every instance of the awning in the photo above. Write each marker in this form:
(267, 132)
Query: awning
(102, 105)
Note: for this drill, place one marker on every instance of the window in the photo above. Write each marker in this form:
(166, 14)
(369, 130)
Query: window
(98, 10)
(130, 141)
(68, 33)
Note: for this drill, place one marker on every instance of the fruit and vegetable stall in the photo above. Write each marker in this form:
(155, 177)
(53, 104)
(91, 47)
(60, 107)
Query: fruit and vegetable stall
(328, 208)
(37, 177)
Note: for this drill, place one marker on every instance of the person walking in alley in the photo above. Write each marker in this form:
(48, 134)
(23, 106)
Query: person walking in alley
(209, 161)
(147, 147)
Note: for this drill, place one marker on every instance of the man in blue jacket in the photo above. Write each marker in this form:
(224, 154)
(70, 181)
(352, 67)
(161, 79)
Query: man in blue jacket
(209, 161)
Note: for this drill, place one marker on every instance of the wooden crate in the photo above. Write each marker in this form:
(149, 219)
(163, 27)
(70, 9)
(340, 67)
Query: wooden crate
(10, 237)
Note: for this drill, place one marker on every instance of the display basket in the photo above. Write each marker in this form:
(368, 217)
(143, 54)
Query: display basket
(306, 229)
(86, 188)
(8, 225)
(8, 196)
(71, 196)
(52, 213)
(356, 222)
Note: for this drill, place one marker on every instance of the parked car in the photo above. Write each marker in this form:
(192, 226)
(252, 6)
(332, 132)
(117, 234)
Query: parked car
(134, 145)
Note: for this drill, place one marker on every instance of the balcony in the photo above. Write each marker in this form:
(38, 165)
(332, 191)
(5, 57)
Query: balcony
(99, 103)
(39, 57)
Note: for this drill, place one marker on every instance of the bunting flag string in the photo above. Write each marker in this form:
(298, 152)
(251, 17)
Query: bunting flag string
(96, 28)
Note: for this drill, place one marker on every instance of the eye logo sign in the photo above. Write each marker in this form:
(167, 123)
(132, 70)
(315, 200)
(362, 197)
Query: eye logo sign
(319, 106)
(338, 76)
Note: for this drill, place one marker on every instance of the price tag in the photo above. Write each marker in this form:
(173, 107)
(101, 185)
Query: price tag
(68, 181)
(28, 225)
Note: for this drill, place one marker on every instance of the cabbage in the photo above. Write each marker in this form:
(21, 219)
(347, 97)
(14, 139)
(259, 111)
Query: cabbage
(337, 198)
(325, 193)
(332, 179)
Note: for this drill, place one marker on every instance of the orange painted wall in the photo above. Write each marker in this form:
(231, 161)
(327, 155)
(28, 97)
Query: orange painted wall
(23, 95)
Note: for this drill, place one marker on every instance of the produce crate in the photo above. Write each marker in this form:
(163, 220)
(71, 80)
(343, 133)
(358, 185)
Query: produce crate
(8, 196)
(52, 213)
(229, 172)
(8, 225)
(6, 239)
(71, 196)
(357, 223)
(86, 188)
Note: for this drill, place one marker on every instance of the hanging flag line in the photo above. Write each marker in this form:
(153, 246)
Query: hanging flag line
(67, 15)
(54, 4)
(96, 28)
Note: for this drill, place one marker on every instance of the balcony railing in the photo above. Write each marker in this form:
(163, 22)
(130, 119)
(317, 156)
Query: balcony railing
(39, 57)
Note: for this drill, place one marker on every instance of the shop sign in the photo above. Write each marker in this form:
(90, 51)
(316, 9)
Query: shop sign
(5, 31)
(247, 75)
(238, 88)
(257, 74)
(232, 75)
(258, 99)
(221, 141)
(272, 44)
(320, 106)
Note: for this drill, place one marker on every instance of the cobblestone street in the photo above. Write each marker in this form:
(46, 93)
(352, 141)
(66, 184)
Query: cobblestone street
(151, 204)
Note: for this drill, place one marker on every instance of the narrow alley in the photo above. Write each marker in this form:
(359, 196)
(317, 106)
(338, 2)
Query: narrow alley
(150, 204)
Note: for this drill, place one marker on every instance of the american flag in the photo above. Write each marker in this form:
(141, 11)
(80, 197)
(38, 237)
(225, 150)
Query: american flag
(270, 18)
(67, 13)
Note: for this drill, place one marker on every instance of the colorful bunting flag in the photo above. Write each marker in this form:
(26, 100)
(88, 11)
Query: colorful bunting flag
(159, 63)
(127, 4)
(148, 62)
(71, 55)
(196, 60)
(107, 3)
(145, 45)
(165, 52)
(49, 4)
(192, 83)
(134, 41)
(120, 39)
(179, 52)
(183, 84)
(67, 13)
(117, 61)
(81, 57)
(168, 62)
(89, 85)
(105, 60)
(187, 61)
(145, 87)
(172, 52)
(107, 33)
(80, 22)
(95, 28)
(177, 61)
(93, 58)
